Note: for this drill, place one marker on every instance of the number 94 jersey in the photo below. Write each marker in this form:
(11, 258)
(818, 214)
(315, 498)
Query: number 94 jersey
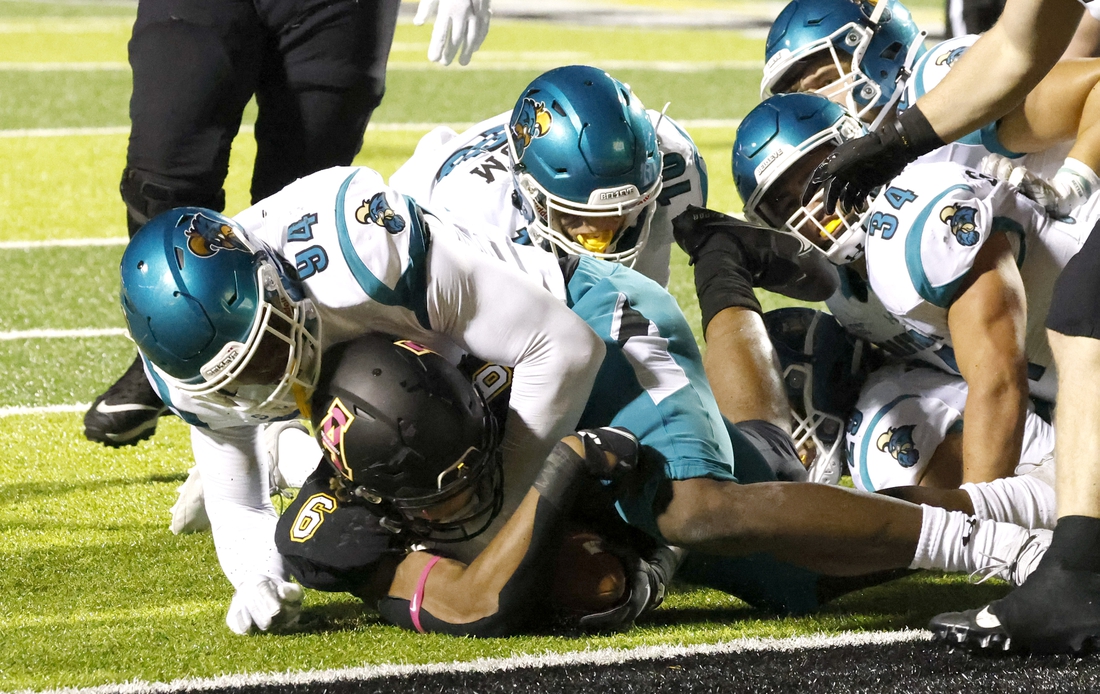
(468, 177)
(925, 231)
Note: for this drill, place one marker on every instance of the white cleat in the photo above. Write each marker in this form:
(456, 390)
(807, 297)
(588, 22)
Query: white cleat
(1015, 562)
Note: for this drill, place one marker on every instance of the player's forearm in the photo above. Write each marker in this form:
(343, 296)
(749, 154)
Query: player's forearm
(993, 429)
(998, 71)
(235, 491)
(495, 593)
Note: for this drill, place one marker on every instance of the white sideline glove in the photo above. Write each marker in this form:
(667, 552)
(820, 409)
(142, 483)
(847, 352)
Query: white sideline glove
(264, 602)
(458, 24)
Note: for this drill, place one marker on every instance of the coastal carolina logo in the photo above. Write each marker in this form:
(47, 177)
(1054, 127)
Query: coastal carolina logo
(532, 122)
(377, 210)
(206, 236)
(961, 221)
(334, 429)
(898, 442)
(951, 56)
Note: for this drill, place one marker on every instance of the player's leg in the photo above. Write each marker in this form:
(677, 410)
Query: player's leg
(194, 67)
(1058, 608)
(324, 76)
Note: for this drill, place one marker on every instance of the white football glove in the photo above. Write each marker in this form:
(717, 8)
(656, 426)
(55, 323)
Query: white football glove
(458, 24)
(264, 603)
(294, 455)
(189, 511)
(1071, 185)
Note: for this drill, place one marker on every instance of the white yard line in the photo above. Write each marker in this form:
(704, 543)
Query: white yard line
(533, 61)
(608, 656)
(46, 409)
(63, 334)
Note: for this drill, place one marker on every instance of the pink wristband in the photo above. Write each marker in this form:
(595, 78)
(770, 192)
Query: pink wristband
(418, 595)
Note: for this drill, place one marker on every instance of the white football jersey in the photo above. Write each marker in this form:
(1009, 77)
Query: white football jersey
(904, 413)
(371, 261)
(467, 177)
(925, 230)
(970, 149)
(862, 314)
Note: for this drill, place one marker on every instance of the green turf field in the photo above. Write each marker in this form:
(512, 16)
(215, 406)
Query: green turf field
(94, 589)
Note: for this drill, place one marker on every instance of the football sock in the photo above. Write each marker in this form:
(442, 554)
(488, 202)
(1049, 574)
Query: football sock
(1022, 500)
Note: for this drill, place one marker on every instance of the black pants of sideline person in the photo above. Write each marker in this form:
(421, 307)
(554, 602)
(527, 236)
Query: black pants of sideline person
(316, 67)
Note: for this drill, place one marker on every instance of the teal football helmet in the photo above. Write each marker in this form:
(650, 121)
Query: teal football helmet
(778, 145)
(872, 46)
(583, 148)
(218, 315)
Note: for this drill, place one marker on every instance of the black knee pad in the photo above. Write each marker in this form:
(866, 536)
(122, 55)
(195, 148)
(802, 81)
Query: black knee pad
(1075, 304)
(147, 194)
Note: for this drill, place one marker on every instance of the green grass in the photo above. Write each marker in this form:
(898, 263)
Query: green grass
(94, 588)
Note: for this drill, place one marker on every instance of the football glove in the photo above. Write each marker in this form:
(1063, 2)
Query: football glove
(647, 581)
(857, 167)
(1072, 185)
(264, 603)
(458, 24)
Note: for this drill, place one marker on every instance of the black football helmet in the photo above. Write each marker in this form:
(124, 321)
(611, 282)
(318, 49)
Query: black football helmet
(410, 436)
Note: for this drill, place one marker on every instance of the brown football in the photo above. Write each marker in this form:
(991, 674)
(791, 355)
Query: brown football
(587, 577)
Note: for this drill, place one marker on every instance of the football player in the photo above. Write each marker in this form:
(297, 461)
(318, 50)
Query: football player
(914, 414)
(228, 317)
(942, 246)
(413, 466)
(580, 168)
(870, 57)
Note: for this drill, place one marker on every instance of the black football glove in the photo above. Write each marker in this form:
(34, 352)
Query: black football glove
(857, 167)
(647, 582)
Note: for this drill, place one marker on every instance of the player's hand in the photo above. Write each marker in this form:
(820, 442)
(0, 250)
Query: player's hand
(458, 24)
(857, 167)
(647, 581)
(1058, 197)
(609, 452)
(264, 603)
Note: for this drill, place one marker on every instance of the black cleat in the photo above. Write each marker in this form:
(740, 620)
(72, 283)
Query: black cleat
(1057, 610)
(979, 630)
(127, 412)
(776, 261)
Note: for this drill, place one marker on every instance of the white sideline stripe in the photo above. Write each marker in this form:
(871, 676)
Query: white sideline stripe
(379, 127)
(55, 243)
(605, 656)
(49, 334)
(46, 409)
(523, 63)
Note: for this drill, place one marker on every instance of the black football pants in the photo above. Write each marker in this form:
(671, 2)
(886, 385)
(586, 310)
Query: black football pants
(317, 68)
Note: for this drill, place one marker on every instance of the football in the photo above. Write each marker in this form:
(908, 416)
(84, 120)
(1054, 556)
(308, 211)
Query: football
(588, 578)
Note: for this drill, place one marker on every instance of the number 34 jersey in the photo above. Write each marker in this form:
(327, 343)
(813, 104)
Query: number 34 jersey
(925, 231)
(468, 177)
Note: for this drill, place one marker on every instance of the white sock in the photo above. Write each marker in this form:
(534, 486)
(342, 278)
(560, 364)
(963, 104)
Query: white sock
(1024, 501)
(955, 541)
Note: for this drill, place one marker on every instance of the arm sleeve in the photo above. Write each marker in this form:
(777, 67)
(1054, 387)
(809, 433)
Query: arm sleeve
(500, 315)
(235, 489)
